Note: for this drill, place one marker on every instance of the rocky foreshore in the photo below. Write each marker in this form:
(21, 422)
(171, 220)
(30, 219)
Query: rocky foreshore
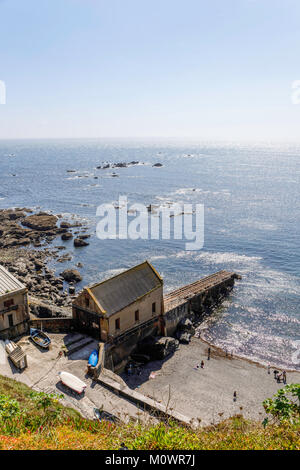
(25, 252)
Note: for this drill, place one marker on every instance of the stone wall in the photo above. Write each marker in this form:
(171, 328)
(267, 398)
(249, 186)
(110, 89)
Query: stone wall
(15, 331)
(53, 325)
(173, 317)
(200, 304)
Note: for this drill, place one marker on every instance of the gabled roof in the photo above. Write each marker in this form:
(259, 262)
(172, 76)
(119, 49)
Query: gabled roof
(118, 292)
(8, 283)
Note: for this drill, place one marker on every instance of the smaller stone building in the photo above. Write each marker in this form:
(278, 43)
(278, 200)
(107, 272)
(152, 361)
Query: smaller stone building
(129, 302)
(14, 312)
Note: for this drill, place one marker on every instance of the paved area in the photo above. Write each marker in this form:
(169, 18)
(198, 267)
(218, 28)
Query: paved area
(42, 375)
(207, 393)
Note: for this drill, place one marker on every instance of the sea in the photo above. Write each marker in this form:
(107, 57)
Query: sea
(250, 194)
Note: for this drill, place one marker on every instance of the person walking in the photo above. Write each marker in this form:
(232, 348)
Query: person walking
(234, 396)
(269, 369)
(202, 364)
(208, 354)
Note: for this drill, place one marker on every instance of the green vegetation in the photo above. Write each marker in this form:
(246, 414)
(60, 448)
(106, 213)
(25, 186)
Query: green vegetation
(33, 420)
(285, 405)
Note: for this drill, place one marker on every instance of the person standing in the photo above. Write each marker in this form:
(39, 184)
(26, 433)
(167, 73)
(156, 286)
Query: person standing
(269, 369)
(234, 396)
(284, 377)
(208, 354)
(202, 364)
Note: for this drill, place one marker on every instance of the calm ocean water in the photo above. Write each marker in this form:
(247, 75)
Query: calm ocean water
(252, 221)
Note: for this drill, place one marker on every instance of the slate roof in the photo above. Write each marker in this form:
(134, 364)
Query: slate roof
(8, 283)
(118, 292)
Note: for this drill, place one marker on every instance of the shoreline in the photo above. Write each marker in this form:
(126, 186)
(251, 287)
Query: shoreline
(243, 358)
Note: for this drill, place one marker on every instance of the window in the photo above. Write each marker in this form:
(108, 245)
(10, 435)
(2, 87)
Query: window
(153, 307)
(137, 315)
(10, 320)
(117, 323)
(9, 303)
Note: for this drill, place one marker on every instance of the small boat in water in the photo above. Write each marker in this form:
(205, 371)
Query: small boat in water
(93, 359)
(72, 381)
(40, 338)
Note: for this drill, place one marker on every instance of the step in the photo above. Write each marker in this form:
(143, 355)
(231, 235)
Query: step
(79, 345)
(72, 338)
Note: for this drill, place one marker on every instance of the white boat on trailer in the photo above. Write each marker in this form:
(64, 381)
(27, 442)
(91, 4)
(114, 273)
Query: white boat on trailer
(72, 381)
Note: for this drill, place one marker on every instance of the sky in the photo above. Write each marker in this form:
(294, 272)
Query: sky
(186, 69)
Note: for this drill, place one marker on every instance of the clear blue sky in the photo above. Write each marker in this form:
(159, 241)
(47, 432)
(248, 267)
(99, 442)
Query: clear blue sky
(213, 69)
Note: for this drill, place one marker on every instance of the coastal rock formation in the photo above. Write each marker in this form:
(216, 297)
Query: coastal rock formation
(79, 242)
(30, 266)
(158, 348)
(67, 236)
(106, 166)
(41, 222)
(71, 275)
(185, 331)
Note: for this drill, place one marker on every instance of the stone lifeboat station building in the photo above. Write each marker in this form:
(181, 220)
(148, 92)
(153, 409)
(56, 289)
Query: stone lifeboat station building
(14, 311)
(123, 309)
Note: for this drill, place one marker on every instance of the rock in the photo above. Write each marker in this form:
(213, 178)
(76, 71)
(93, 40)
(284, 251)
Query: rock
(103, 167)
(119, 165)
(64, 224)
(183, 337)
(78, 242)
(16, 215)
(186, 325)
(67, 236)
(70, 275)
(41, 222)
(158, 347)
(157, 165)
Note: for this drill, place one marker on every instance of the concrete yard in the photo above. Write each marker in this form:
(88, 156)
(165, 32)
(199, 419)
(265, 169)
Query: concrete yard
(42, 375)
(207, 393)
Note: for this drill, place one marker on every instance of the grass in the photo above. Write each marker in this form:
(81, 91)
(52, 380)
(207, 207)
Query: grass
(40, 424)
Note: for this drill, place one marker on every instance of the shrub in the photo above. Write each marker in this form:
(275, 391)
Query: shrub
(285, 405)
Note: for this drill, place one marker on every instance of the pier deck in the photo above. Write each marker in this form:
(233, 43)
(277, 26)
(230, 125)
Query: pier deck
(202, 286)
